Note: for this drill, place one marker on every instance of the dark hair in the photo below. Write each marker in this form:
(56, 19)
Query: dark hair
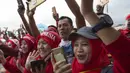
(66, 17)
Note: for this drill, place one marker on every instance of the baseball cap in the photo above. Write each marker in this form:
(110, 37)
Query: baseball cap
(85, 32)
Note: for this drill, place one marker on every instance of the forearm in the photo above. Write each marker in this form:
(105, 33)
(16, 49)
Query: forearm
(57, 22)
(107, 35)
(26, 24)
(86, 6)
(80, 21)
(33, 27)
(72, 4)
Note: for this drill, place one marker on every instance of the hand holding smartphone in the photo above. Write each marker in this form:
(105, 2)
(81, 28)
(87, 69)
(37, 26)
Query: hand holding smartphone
(58, 54)
(39, 64)
(59, 61)
(54, 10)
(55, 14)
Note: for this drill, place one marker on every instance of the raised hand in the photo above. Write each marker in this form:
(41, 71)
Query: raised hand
(30, 13)
(21, 8)
(31, 57)
(2, 58)
(61, 66)
(56, 16)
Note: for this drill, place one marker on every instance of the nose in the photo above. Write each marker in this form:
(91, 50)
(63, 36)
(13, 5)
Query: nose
(80, 49)
(61, 27)
(40, 46)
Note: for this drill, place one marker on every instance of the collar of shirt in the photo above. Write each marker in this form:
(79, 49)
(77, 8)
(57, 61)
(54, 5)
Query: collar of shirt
(64, 43)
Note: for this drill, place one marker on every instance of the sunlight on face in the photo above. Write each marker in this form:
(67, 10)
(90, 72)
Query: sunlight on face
(43, 48)
(82, 50)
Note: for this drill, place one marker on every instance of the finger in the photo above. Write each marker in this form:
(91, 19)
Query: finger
(68, 71)
(64, 69)
(47, 58)
(33, 53)
(30, 54)
(27, 6)
(36, 54)
(59, 64)
(1, 52)
(52, 59)
(17, 62)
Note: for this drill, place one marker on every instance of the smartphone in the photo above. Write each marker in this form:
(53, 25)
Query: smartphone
(37, 64)
(54, 10)
(34, 3)
(59, 54)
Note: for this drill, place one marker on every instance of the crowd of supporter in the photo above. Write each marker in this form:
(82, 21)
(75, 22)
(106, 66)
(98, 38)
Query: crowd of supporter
(97, 49)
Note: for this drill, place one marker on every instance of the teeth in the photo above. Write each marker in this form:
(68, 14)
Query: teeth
(83, 56)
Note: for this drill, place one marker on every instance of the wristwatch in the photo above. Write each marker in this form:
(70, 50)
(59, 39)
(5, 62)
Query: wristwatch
(105, 21)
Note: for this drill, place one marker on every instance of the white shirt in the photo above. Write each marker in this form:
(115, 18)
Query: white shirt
(64, 43)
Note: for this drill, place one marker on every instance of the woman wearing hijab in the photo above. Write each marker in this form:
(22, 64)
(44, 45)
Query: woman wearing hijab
(115, 42)
(90, 55)
(27, 44)
(13, 43)
(46, 42)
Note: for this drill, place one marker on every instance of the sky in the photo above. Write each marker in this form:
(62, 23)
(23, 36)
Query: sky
(9, 17)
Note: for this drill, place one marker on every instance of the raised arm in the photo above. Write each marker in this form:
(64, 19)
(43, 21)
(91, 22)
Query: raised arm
(80, 21)
(21, 11)
(32, 23)
(107, 35)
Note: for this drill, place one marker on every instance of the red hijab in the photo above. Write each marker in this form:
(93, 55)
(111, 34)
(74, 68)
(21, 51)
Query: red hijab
(14, 42)
(98, 61)
(53, 39)
(31, 42)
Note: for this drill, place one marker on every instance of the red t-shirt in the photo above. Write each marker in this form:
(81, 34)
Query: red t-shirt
(10, 65)
(120, 50)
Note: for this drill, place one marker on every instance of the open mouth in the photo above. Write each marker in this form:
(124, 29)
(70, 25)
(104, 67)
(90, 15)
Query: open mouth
(82, 57)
